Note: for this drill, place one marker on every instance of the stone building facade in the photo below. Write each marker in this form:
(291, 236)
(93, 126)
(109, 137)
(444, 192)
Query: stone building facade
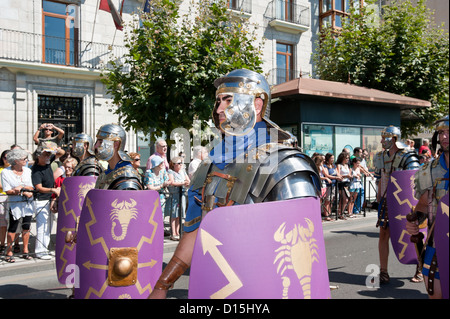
(52, 53)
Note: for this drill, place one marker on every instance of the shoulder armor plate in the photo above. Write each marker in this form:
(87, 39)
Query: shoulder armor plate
(118, 176)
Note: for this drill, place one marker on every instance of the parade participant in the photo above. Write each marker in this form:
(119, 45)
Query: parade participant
(127, 221)
(120, 175)
(235, 172)
(83, 149)
(395, 156)
(431, 184)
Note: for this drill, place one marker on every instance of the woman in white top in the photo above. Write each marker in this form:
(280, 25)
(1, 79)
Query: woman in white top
(16, 180)
(343, 169)
(177, 178)
(355, 184)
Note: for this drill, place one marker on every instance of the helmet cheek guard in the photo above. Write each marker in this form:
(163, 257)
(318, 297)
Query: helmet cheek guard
(240, 115)
(110, 133)
(78, 149)
(79, 140)
(105, 151)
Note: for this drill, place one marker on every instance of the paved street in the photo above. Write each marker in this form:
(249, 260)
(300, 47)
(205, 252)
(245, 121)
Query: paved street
(352, 256)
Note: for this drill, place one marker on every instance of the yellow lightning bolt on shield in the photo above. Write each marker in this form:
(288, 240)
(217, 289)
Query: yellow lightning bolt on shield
(445, 210)
(405, 244)
(399, 190)
(209, 244)
(400, 217)
(153, 262)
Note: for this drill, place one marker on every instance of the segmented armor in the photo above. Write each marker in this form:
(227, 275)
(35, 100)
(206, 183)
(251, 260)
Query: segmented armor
(88, 167)
(123, 178)
(270, 172)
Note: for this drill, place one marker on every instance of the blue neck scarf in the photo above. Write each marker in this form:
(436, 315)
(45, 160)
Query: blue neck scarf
(232, 147)
(444, 165)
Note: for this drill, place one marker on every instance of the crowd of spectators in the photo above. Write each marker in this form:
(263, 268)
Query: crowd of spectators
(342, 182)
(343, 179)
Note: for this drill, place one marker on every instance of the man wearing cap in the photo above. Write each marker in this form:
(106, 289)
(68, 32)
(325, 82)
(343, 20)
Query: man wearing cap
(431, 185)
(120, 174)
(44, 183)
(242, 168)
(394, 157)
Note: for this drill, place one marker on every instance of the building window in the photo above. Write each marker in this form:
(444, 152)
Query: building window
(64, 112)
(285, 10)
(318, 139)
(333, 139)
(347, 137)
(60, 37)
(332, 12)
(371, 138)
(285, 62)
(233, 4)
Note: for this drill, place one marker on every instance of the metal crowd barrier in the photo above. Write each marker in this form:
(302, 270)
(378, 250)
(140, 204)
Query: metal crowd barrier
(367, 193)
(4, 202)
(175, 192)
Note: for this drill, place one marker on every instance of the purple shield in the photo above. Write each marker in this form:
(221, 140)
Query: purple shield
(400, 200)
(441, 232)
(73, 192)
(119, 245)
(271, 250)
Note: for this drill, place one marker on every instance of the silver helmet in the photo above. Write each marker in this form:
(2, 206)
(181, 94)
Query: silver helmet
(389, 133)
(244, 86)
(78, 144)
(110, 133)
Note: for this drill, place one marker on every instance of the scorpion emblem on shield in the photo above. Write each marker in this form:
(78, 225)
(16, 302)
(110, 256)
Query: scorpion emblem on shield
(297, 252)
(83, 190)
(123, 212)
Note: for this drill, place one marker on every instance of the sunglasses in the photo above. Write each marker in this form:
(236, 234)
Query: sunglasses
(137, 159)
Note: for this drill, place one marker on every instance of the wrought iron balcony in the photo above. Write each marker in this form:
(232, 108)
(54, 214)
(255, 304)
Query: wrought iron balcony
(37, 48)
(244, 6)
(278, 75)
(287, 16)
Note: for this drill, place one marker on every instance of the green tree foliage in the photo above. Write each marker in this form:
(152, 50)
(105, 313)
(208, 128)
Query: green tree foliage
(166, 79)
(401, 52)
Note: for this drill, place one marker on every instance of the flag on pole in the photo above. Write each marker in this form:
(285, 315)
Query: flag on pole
(147, 6)
(108, 6)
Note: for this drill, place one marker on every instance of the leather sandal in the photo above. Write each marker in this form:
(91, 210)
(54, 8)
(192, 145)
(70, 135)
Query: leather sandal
(384, 277)
(26, 256)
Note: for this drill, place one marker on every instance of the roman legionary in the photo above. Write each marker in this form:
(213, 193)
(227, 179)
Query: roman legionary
(394, 157)
(431, 187)
(120, 174)
(248, 166)
(83, 149)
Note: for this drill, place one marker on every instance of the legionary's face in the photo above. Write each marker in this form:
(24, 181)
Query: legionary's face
(387, 142)
(444, 139)
(104, 149)
(223, 101)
